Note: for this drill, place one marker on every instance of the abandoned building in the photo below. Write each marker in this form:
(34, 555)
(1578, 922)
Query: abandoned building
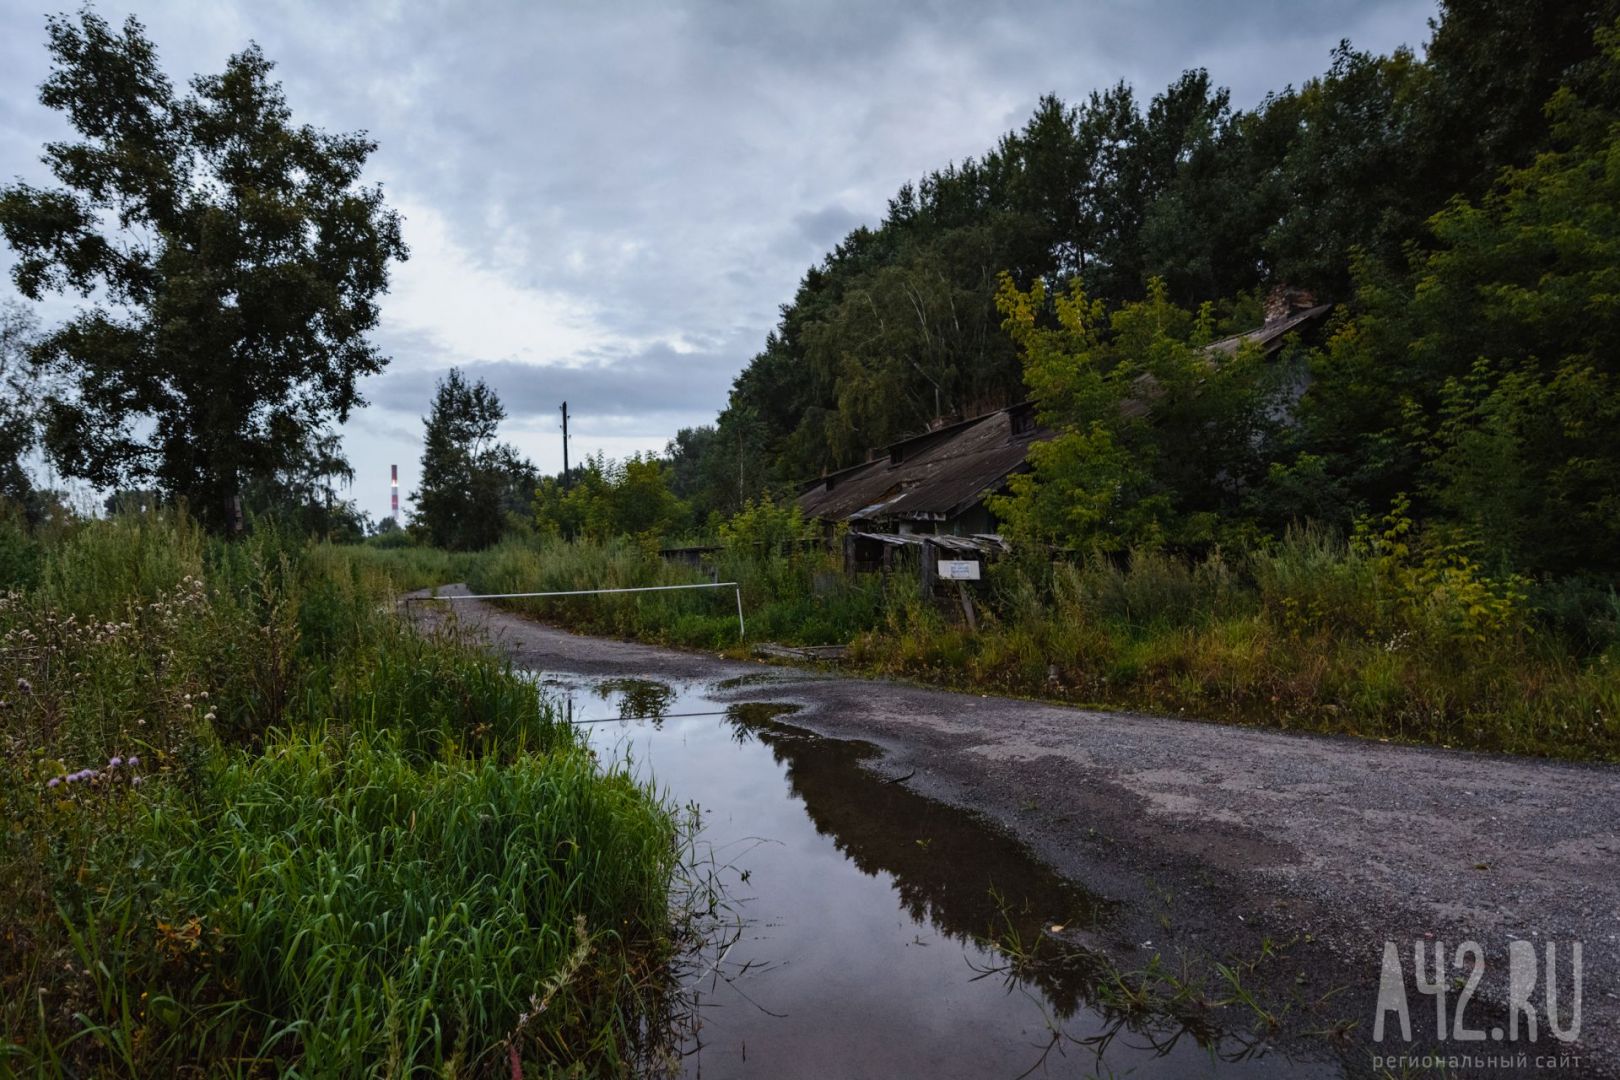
(936, 484)
(1288, 311)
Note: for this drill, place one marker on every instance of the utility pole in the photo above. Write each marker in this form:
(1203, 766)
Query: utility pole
(565, 444)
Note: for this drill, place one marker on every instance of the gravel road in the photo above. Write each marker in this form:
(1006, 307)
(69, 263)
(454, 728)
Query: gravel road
(1232, 833)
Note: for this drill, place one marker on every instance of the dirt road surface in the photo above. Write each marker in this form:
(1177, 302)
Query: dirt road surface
(1233, 833)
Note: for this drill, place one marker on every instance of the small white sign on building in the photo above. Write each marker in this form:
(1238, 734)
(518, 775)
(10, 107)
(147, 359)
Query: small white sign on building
(959, 569)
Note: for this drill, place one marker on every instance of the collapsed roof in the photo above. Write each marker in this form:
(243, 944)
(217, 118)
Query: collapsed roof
(939, 475)
(931, 477)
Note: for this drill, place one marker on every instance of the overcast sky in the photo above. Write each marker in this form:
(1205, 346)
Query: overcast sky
(608, 203)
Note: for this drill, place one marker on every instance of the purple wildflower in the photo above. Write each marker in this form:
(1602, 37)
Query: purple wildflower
(53, 781)
(114, 761)
(133, 761)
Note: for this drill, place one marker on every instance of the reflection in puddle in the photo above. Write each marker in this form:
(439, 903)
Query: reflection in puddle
(864, 910)
(637, 698)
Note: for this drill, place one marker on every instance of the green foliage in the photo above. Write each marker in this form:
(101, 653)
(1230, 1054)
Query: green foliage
(1384, 638)
(449, 891)
(1436, 582)
(895, 326)
(702, 473)
(20, 555)
(1485, 382)
(233, 257)
(301, 836)
(1348, 170)
(605, 498)
(765, 527)
(1158, 439)
(470, 482)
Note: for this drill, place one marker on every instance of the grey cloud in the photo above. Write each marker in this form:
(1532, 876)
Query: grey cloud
(649, 387)
(825, 227)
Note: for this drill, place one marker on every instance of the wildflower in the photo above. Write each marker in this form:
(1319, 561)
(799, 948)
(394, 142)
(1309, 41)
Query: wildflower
(134, 761)
(209, 715)
(114, 761)
(137, 780)
(25, 686)
(53, 781)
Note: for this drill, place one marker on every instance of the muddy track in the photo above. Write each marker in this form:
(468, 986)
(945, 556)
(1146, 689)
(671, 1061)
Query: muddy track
(1223, 836)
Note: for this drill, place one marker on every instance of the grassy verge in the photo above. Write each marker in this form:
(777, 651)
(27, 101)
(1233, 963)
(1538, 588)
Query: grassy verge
(255, 825)
(1310, 634)
(804, 598)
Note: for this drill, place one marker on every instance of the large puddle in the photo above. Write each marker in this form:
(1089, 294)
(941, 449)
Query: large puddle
(862, 914)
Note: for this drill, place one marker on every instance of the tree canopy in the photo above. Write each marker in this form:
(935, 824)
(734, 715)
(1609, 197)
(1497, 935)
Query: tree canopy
(231, 261)
(470, 482)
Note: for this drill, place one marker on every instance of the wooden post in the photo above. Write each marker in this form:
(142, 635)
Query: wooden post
(967, 607)
(565, 446)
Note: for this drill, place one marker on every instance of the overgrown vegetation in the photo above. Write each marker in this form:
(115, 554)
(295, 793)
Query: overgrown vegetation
(1405, 530)
(1373, 636)
(898, 324)
(1369, 638)
(255, 823)
(791, 590)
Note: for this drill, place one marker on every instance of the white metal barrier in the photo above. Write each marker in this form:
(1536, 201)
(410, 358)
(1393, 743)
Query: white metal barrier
(742, 630)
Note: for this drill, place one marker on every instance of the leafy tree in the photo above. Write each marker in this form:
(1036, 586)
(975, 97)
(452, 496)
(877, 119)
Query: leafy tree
(1491, 66)
(1486, 380)
(701, 473)
(300, 492)
(606, 498)
(234, 258)
(469, 481)
(766, 527)
(1346, 171)
(1159, 439)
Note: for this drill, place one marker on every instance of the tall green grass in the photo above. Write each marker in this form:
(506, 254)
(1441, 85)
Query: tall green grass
(1309, 634)
(310, 839)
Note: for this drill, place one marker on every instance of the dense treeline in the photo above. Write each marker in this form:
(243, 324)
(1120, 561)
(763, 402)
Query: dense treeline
(899, 324)
(1469, 393)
